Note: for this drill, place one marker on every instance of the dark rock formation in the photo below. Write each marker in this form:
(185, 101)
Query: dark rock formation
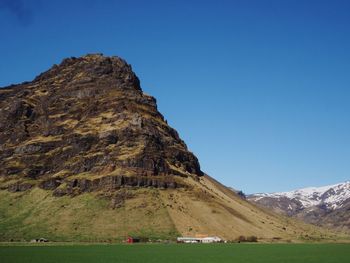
(88, 118)
(19, 187)
(110, 183)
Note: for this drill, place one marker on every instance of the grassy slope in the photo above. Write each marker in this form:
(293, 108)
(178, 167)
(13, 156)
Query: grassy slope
(208, 209)
(287, 253)
(24, 216)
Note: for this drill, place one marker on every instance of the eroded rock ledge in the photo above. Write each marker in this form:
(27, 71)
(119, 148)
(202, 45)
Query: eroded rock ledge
(76, 186)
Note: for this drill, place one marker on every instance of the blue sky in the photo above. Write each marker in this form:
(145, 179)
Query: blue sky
(259, 90)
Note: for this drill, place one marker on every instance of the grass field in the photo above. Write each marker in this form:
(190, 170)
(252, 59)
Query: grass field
(247, 253)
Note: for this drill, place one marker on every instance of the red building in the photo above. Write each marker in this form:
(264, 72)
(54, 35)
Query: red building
(131, 240)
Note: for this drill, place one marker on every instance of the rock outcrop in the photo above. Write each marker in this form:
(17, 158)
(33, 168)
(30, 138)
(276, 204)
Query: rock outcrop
(86, 124)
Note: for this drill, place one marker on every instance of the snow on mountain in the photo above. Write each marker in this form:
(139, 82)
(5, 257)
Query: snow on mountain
(327, 206)
(331, 196)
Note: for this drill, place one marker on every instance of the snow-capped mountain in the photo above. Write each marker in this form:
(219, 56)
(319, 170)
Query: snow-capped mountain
(332, 196)
(326, 205)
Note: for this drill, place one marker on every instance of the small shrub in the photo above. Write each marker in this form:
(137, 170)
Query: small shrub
(241, 239)
(247, 239)
(252, 239)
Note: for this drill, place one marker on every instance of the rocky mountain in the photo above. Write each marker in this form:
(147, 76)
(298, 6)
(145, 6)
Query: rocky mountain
(87, 116)
(86, 156)
(325, 206)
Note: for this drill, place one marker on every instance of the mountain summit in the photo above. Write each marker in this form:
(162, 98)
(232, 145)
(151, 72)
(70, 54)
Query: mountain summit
(86, 156)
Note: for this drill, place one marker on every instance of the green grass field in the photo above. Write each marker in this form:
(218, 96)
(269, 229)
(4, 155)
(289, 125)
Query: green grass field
(247, 253)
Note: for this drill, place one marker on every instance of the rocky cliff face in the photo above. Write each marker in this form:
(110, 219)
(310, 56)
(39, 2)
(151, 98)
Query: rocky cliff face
(86, 125)
(324, 206)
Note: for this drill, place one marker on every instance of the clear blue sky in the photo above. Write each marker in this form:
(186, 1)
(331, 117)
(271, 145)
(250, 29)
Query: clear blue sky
(259, 90)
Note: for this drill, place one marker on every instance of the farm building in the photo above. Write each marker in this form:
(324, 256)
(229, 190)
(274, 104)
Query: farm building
(199, 239)
(188, 240)
(131, 240)
(39, 240)
(211, 240)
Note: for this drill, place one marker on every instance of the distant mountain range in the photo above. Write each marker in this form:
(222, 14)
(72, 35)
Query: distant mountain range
(327, 206)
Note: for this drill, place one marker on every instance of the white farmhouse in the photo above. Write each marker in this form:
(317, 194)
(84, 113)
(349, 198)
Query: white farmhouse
(199, 239)
(211, 240)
